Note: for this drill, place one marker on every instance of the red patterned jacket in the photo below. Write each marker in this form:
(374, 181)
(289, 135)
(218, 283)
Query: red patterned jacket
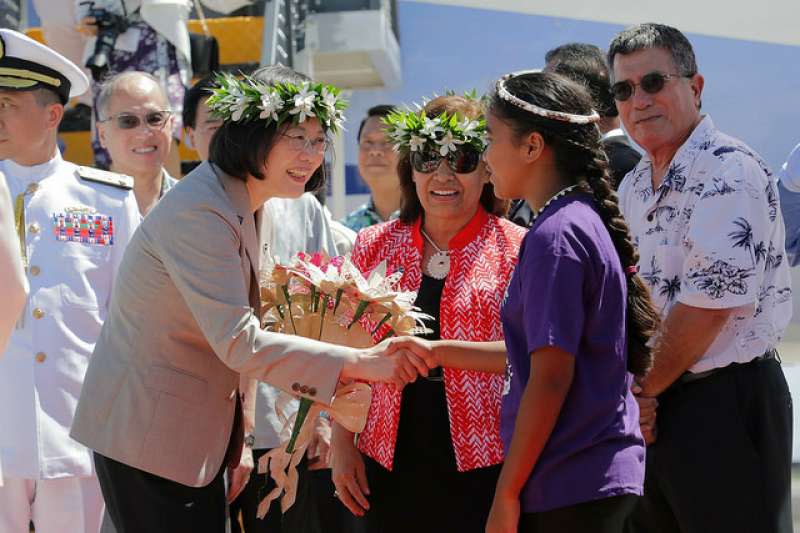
(482, 259)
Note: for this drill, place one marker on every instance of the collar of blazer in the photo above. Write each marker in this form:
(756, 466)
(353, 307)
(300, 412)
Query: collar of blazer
(240, 200)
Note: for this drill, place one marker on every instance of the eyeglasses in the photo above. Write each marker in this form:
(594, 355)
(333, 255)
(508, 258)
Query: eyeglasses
(651, 83)
(299, 142)
(462, 161)
(129, 121)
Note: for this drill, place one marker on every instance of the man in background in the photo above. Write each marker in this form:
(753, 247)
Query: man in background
(377, 165)
(702, 208)
(586, 65)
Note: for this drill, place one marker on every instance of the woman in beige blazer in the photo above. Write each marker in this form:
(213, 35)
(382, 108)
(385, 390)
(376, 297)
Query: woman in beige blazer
(159, 404)
(15, 284)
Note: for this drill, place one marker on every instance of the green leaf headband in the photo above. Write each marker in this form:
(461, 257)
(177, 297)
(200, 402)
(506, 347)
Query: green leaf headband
(415, 131)
(246, 99)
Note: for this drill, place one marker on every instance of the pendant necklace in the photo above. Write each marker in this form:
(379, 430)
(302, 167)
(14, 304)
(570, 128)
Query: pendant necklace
(439, 263)
(559, 194)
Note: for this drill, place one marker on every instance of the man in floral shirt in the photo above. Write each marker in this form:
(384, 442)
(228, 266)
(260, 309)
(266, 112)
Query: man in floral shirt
(704, 212)
(377, 165)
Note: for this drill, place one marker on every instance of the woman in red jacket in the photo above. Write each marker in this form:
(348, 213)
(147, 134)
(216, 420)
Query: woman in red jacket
(429, 456)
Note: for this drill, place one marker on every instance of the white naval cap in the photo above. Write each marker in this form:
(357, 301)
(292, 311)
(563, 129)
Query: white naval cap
(28, 64)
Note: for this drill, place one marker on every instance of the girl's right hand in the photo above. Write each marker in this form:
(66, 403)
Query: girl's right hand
(348, 472)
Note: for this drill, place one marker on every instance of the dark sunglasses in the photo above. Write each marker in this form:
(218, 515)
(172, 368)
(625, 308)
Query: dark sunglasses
(462, 161)
(129, 121)
(651, 84)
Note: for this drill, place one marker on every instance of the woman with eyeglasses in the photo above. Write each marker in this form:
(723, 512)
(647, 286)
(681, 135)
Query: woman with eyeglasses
(161, 404)
(429, 457)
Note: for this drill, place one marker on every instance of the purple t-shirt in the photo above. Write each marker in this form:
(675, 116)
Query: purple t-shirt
(569, 291)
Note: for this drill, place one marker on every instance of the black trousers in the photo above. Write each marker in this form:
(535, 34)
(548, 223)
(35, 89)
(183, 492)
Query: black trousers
(607, 515)
(722, 458)
(425, 501)
(315, 509)
(139, 502)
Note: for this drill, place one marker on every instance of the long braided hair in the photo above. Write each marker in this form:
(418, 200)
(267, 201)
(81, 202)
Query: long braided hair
(580, 159)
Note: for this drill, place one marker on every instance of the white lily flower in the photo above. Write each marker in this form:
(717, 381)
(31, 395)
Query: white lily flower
(338, 121)
(329, 100)
(416, 143)
(448, 143)
(483, 138)
(239, 107)
(469, 127)
(304, 103)
(271, 103)
(431, 127)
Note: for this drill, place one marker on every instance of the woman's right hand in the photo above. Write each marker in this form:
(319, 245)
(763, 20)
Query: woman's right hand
(382, 363)
(420, 347)
(348, 472)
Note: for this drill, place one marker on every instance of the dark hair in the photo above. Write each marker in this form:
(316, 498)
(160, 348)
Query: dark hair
(381, 111)
(191, 100)
(241, 148)
(410, 206)
(652, 35)
(580, 159)
(585, 64)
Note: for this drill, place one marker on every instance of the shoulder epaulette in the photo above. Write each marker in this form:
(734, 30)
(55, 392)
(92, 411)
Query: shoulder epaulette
(120, 181)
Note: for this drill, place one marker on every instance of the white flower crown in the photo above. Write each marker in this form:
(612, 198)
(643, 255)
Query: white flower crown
(415, 131)
(246, 99)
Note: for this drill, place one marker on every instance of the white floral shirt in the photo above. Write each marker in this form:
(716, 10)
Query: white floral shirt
(712, 236)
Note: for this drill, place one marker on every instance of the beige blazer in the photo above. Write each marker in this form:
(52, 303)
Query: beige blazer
(160, 392)
(14, 282)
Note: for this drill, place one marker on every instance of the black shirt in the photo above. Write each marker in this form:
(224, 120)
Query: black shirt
(423, 436)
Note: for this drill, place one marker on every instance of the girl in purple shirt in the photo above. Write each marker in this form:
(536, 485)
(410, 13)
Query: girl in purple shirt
(577, 320)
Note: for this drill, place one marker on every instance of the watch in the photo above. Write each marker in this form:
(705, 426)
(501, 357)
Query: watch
(249, 440)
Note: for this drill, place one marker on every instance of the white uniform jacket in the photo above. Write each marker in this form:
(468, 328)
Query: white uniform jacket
(76, 232)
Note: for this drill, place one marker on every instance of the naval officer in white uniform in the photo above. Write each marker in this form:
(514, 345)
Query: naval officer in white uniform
(72, 225)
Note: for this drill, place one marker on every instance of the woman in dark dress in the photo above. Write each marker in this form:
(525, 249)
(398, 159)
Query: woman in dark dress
(429, 457)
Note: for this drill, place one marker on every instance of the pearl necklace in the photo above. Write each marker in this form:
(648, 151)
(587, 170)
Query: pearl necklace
(439, 263)
(563, 192)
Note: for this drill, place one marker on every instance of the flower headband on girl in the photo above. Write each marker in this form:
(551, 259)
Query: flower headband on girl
(247, 99)
(503, 93)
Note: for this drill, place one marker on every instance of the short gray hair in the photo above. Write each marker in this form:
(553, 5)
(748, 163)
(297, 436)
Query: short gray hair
(108, 86)
(652, 35)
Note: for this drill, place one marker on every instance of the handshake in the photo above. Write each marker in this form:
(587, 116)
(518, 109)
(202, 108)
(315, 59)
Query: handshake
(399, 360)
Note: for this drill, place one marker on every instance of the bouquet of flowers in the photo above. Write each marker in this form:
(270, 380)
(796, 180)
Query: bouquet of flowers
(327, 299)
